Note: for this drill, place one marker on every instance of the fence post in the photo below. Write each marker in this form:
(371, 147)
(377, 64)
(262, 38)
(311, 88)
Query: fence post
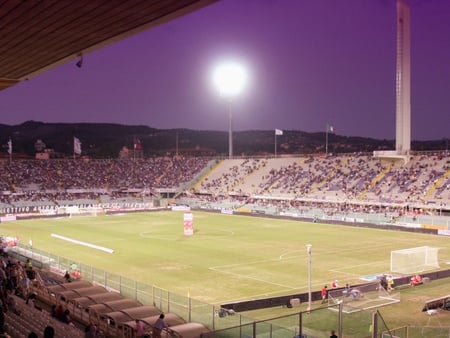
(168, 301)
(300, 324)
(375, 324)
(189, 308)
(240, 325)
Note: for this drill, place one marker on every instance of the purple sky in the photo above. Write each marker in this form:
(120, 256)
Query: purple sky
(310, 62)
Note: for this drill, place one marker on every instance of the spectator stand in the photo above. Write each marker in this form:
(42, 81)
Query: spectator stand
(79, 306)
(170, 318)
(97, 312)
(112, 323)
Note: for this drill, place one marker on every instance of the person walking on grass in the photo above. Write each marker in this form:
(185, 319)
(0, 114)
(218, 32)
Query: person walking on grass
(324, 294)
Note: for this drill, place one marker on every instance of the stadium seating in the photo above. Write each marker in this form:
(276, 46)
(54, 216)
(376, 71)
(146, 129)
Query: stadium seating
(355, 178)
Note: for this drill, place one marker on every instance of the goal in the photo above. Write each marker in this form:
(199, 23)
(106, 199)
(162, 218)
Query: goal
(74, 211)
(413, 260)
(361, 297)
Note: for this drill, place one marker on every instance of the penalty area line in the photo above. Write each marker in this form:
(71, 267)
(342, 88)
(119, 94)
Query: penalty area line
(89, 245)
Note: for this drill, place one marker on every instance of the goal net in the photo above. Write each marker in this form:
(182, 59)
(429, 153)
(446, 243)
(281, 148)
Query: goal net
(413, 260)
(74, 211)
(362, 297)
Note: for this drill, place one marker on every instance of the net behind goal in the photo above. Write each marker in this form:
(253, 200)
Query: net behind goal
(413, 260)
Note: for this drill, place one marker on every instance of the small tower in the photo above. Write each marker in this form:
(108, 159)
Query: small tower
(403, 80)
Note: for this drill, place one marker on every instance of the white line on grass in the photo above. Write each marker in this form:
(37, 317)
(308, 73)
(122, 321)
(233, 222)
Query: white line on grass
(155, 235)
(252, 278)
(217, 234)
(341, 269)
(245, 264)
(89, 245)
(282, 256)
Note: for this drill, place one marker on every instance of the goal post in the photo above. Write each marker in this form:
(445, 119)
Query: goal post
(414, 260)
(75, 211)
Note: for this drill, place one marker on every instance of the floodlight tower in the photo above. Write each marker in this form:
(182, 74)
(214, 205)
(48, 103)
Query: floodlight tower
(403, 80)
(230, 79)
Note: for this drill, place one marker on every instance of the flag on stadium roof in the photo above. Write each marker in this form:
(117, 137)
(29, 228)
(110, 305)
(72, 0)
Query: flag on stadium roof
(278, 132)
(76, 146)
(10, 146)
(137, 144)
(330, 128)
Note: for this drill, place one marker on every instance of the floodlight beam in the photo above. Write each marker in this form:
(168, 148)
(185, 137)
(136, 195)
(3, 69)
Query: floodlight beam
(230, 80)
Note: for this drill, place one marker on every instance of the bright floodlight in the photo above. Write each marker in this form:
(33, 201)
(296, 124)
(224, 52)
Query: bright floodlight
(230, 79)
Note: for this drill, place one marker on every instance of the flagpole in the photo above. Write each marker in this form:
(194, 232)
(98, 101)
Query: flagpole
(10, 150)
(326, 141)
(278, 132)
(176, 144)
(275, 144)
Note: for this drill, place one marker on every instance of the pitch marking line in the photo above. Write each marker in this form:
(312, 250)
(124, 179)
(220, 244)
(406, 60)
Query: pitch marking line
(220, 268)
(89, 245)
(201, 234)
(253, 278)
(250, 263)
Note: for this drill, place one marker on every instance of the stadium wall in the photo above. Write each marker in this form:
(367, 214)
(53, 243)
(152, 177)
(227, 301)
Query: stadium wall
(353, 224)
(263, 303)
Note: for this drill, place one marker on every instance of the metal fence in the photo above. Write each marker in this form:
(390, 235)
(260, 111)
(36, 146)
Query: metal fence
(224, 323)
(191, 310)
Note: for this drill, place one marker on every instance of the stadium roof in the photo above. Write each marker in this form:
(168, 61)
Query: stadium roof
(39, 35)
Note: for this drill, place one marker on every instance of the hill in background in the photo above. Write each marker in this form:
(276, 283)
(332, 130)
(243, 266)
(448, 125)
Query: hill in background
(105, 140)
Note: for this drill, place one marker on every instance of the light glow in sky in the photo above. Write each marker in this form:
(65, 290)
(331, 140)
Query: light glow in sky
(311, 63)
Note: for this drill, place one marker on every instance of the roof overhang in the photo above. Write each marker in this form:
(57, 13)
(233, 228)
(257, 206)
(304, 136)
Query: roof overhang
(39, 35)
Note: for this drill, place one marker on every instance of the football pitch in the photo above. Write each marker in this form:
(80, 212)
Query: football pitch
(229, 257)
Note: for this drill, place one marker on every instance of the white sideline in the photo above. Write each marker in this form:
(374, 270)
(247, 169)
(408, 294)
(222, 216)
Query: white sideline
(102, 248)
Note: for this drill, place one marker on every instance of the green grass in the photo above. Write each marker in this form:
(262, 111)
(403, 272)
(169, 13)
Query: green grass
(230, 257)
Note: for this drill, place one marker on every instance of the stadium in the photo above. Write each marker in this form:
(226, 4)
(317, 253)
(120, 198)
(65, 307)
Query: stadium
(245, 254)
(279, 245)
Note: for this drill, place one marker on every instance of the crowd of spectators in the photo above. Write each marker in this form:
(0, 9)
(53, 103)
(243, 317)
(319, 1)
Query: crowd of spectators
(335, 182)
(291, 205)
(41, 180)
(232, 176)
(413, 182)
(14, 280)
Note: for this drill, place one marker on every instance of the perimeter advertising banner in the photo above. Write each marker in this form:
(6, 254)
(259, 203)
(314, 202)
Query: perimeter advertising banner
(188, 224)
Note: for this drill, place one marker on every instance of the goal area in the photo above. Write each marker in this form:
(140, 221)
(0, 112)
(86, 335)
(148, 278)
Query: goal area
(414, 260)
(362, 297)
